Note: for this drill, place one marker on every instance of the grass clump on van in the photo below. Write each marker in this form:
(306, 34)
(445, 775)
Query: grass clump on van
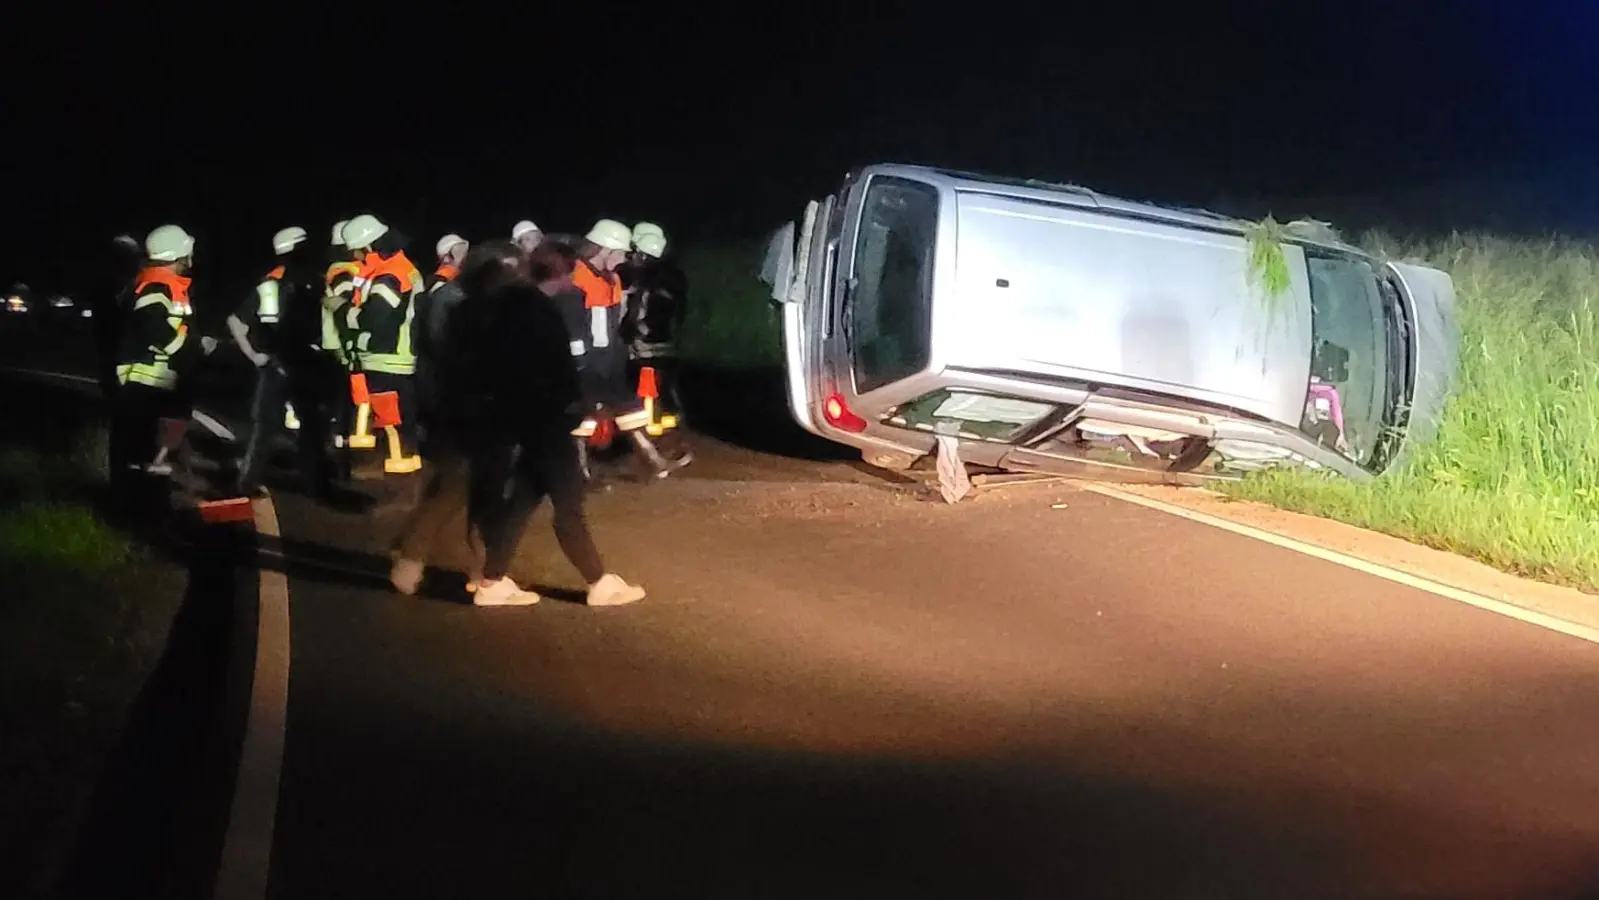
(1513, 477)
(1268, 268)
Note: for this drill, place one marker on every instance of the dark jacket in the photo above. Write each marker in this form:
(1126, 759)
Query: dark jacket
(656, 306)
(296, 330)
(429, 336)
(509, 374)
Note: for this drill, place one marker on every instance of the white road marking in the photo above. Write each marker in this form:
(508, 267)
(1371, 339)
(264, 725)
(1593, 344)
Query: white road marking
(247, 847)
(1509, 610)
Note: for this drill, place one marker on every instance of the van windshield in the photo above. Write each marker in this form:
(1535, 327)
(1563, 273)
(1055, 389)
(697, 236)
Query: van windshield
(1347, 404)
(890, 310)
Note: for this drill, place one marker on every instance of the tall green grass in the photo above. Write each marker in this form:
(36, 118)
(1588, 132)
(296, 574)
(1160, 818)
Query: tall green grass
(1513, 476)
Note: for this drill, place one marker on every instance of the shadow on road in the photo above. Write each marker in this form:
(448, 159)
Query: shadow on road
(749, 408)
(158, 811)
(526, 805)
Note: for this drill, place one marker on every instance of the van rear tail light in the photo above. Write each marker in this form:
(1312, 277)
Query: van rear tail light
(838, 415)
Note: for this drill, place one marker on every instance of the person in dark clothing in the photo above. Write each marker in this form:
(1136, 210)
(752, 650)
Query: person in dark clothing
(528, 399)
(449, 402)
(433, 306)
(110, 311)
(279, 329)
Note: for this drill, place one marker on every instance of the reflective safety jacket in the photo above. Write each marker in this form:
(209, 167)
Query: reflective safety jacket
(157, 329)
(278, 318)
(340, 287)
(381, 309)
(592, 311)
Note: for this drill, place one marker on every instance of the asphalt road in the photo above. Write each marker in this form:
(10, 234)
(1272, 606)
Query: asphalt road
(838, 689)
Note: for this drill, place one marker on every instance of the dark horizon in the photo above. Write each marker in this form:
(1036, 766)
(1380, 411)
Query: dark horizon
(720, 127)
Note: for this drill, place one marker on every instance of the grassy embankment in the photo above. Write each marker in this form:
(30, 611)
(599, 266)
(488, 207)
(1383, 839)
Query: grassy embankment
(1513, 478)
(83, 617)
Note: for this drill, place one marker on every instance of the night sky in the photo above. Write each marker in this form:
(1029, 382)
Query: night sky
(723, 121)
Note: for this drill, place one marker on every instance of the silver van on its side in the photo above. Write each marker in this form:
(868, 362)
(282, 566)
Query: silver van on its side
(1050, 328)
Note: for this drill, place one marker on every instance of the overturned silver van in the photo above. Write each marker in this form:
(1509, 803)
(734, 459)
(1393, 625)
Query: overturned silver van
(1039, 327)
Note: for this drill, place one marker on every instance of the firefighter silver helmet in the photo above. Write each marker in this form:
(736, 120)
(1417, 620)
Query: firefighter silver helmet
(362, 230)
(447, 243)
(644, 228)
(168, 243)
(287, 239)
(650, 244)
(338, 232)
(610, 234)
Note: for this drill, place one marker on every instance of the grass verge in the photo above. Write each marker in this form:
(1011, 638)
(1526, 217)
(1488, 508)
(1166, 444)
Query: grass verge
(1513, 477)
(84, 614)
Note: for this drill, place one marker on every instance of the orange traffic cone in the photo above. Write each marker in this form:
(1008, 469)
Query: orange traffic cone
(386, 415)
(362, 439)
(649, 392)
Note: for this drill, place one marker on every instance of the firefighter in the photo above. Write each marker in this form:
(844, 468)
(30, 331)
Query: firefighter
(593, 314)
(382, 308)
(155, 351)
(526, 235)
(278, 329)
(657, 302)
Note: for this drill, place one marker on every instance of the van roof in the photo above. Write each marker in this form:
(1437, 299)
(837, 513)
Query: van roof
(1077, 195)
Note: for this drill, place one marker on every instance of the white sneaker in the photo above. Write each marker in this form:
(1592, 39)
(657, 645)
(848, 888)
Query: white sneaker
(613, 591)
(406, 575)
(503, 593)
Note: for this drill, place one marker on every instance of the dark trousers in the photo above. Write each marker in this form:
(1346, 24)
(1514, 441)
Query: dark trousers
(444, 504)
(509, 482)
(136, 427)
(404, 386)
(277, 384)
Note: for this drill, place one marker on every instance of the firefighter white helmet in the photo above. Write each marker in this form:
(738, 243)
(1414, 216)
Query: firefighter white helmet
(448, 243)
(611, 235)
(650, 244)
(362, 230)
(338, 232)
(644, 228)
(287, 239)
(168, 243)
(522, 229)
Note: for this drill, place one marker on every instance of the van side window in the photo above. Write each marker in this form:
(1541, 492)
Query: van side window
(890, 312)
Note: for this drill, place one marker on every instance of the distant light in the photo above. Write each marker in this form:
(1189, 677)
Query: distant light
(87, 313)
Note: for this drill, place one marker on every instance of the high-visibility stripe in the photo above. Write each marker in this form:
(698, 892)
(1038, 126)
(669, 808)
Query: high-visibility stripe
(267, 301)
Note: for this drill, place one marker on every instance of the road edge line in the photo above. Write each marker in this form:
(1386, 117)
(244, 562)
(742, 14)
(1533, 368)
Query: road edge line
(1488, 604)
(246, 861)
